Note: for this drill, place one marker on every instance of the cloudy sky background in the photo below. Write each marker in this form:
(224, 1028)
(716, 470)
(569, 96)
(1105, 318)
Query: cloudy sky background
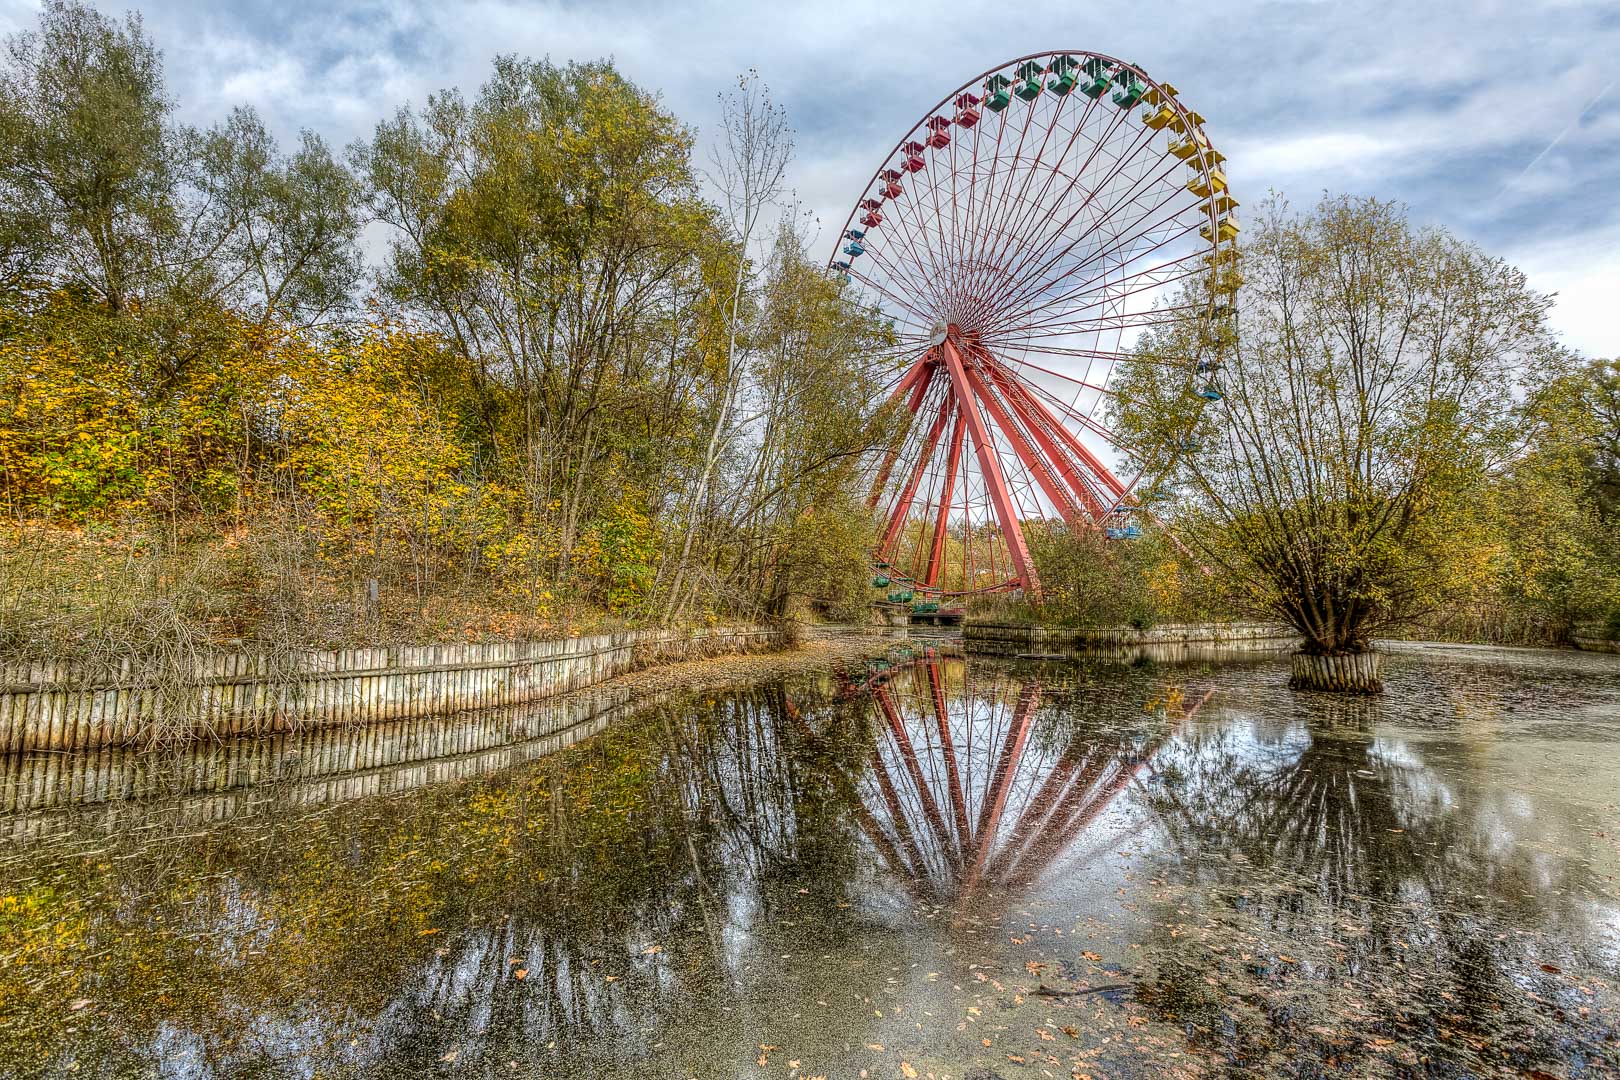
(1500, 121)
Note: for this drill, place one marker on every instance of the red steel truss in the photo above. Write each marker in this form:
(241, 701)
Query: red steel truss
(1019, 242)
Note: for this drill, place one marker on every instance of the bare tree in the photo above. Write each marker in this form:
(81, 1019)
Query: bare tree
(749, 171)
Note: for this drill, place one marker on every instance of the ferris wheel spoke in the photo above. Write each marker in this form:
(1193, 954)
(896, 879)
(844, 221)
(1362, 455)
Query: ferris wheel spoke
(1031, 215)
(1041, 278)
(1091, 285)
(1011, 203)
(1061, 321)
(992, 209)
(1171, 315)
(916, 305)
(1028, 284)
(1039, 247)
(907, 214)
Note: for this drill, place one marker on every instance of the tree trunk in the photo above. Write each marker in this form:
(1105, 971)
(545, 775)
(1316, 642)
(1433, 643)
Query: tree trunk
(1351, 673)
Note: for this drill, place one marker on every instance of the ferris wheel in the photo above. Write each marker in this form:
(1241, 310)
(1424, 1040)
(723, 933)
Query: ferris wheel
(1017, 242)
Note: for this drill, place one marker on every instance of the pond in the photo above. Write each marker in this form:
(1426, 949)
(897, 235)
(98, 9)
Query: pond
(930, 866)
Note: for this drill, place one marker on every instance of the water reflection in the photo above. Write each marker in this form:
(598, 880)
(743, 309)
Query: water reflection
(972, 868)
(958, 800)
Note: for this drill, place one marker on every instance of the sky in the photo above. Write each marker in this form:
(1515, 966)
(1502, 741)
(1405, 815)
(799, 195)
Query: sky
(1497, 120)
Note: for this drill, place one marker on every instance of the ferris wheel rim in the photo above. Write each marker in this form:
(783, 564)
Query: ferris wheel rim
(970, 294)
(1175, 103)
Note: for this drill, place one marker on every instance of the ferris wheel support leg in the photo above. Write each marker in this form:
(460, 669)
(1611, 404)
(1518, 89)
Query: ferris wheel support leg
(897, 517)
(953, 461)
(908, 755)
(1040, 813)
(1116, 490)
(897, 814)
(948, 746)
(1039, 467)
(990, 468)
(917, 381)
(1023, 404)
(995, 801)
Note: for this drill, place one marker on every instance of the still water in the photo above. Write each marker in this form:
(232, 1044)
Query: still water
(925, 867)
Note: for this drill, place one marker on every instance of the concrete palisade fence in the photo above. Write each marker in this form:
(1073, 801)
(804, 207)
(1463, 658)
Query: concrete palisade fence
(64, 707)
(1013, 638)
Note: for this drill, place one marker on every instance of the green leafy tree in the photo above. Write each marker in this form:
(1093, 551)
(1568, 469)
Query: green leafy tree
(1557, 507)
(551, 228)
(88, 153)
(1368, 385)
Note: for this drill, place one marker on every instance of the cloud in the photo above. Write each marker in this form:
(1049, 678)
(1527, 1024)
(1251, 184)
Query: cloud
(1485, 117)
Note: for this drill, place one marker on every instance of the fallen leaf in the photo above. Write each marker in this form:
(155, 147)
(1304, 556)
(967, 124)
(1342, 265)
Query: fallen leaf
(651, 949)
(1552, 969)
(1093, 957)
(429, 930)
(875, 1046)
(1046, 1036)
(520, 973)
(908, 1070)
(450, 1055)
(78, 1004)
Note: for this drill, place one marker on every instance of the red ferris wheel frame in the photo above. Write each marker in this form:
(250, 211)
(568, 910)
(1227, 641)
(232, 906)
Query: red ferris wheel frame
(989, 275)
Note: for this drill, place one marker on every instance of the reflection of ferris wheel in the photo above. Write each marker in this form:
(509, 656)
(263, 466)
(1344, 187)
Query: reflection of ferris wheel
(1019, 240)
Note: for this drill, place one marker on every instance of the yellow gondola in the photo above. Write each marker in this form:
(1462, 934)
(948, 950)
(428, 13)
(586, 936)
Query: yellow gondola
(1158, 118)
(1187, 147)
(1206, 185)
(1226, 228)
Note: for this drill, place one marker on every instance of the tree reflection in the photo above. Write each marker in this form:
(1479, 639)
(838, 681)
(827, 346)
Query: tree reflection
(1353, 915)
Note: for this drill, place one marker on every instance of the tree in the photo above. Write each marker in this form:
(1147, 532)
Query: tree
(87, 151)
(1557, 507)
(799, 530)
(283, 230)
(102, 192)
(552, 231)
(750, 166)
(1368, 379)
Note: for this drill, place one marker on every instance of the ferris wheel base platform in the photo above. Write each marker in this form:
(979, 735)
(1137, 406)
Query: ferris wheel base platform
(890, 614)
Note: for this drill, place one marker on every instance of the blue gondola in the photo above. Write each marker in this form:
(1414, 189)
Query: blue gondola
(856, 234)
(853, 249)
(1209, 393)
